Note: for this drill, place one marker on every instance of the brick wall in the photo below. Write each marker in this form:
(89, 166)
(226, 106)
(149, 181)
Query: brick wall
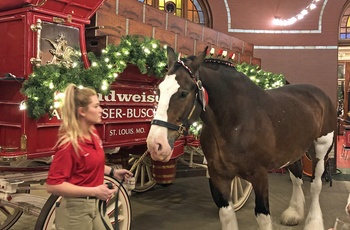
(118, 18)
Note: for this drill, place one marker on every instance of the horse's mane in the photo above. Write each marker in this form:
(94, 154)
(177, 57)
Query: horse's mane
(213, 63)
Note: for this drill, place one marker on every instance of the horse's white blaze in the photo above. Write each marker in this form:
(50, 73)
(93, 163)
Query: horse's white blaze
(314, 218)
(167, 89)
(228, 218)
(264, 221)
(157, 135)
(295, 212)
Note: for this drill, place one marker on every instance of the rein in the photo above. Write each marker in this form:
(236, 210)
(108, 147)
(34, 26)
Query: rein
(201, 95)
(103, 207)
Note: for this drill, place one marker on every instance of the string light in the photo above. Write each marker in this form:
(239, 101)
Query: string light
(286, 22)
(104, 85)
(23, 105)
(154, 46)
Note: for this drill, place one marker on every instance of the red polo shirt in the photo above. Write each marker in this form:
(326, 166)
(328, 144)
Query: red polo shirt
(86, 170)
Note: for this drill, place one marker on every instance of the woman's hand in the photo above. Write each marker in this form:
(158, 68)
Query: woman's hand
(121, 174)
(103, 192)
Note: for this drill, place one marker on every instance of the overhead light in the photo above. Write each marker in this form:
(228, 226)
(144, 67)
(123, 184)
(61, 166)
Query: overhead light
(286, 22)
(300, 16)
(304, 12)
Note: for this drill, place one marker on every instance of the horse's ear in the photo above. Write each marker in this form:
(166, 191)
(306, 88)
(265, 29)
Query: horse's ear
(198, 60)
(171, 56)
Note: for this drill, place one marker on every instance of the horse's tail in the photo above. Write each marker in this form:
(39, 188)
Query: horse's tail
(327, 174)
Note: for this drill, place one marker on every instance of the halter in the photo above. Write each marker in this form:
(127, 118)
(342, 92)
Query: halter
(201, 95)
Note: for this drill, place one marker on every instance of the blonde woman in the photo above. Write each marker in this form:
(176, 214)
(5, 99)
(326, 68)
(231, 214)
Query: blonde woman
(77, 171)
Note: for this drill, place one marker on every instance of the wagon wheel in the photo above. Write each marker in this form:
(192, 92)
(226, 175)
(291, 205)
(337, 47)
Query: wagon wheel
(241, 190)
(10, 215)
(141, 167)
(47, 215)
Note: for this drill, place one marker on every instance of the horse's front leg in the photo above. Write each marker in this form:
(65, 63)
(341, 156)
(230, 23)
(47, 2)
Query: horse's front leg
(262, 210)
(295, 211)
(227, 213)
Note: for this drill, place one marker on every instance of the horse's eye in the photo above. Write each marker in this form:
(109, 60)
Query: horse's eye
(183, 94)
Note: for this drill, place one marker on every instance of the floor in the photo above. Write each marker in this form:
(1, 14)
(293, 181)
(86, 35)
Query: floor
(187, 203)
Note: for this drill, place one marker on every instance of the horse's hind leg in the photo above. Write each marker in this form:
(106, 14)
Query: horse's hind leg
(347, 207)
(314, 218)
(295, 211)
(226, 211)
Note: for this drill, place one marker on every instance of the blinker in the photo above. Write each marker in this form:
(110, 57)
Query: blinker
(202, 94)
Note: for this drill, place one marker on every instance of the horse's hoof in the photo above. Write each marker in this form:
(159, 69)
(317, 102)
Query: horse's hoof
(291, 222)
(290, 218)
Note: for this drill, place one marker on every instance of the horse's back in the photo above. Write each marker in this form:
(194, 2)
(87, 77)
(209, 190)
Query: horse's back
(308, 99)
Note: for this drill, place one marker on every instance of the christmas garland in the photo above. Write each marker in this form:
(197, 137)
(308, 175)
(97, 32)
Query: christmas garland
(264, 79)
(44, 84)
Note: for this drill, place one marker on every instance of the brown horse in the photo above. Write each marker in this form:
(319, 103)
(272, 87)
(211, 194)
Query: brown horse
(247, 131)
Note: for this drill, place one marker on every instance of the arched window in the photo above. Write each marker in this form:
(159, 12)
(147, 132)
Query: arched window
(345, 25)
(196, 11)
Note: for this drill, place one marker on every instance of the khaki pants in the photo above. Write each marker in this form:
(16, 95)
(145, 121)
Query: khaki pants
(79, 214)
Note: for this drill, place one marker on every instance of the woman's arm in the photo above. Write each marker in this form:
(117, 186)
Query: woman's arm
(107, 170)
(70, 190)
(118, 174)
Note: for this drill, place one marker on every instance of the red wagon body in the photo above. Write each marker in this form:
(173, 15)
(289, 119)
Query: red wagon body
(127, 110)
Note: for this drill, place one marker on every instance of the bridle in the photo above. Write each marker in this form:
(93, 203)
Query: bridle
(201, 96)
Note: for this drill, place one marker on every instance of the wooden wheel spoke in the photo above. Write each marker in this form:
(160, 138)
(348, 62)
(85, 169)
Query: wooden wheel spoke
(149, 173)
(4, 210)
(235, 196)
(143, 175)
(142, 172)
(241, 190)
(137, 171)
(240, 187)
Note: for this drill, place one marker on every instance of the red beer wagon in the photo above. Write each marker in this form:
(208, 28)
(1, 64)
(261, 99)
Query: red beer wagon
(40, 32)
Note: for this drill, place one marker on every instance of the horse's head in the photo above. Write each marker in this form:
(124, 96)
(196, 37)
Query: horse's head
(180, 103)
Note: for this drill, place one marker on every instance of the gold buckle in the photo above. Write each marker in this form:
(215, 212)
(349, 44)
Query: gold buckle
(181, 129)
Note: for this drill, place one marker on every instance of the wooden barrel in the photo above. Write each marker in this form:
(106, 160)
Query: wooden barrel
(164, 172)
(307, 165)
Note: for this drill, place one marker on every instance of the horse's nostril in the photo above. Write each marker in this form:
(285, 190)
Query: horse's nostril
(159, 147)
